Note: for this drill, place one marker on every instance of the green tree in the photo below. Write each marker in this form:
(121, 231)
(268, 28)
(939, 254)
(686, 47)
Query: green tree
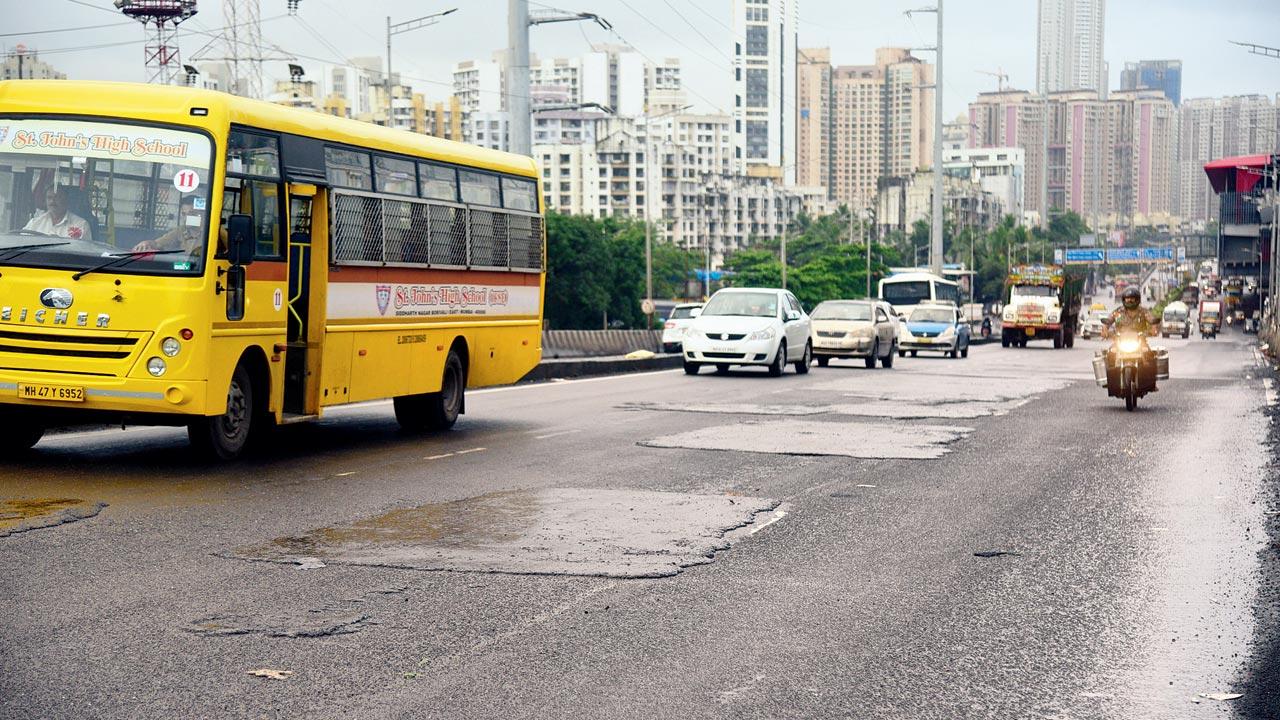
(578, 292)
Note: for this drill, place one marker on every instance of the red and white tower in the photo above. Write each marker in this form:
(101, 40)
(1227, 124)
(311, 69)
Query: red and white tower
(160, 18)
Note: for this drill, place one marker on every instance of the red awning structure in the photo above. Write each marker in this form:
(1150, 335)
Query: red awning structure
(1236, 174)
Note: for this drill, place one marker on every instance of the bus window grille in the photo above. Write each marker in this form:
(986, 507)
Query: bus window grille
(357, 229)
(484, 238)
(448, 244)
(399, 236)
(526, 242)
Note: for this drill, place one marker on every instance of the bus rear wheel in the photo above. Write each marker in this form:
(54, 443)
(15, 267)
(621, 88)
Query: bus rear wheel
(223, 437)
(438, 410)
(22, 430)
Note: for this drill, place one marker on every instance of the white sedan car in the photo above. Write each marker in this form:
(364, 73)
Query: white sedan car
(749, 326)
(673, 329)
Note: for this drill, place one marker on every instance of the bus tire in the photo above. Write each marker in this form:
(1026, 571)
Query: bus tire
(437, 410)
(224, 437)
(22, 430)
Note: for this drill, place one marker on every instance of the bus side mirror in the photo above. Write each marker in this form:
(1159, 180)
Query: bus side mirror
(241, 241)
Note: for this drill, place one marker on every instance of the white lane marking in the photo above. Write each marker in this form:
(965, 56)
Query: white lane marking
(778, 515)
(575, 381)
(344, 474)
(866, 486)
(472, 450)
(555, 434)
(438, 457)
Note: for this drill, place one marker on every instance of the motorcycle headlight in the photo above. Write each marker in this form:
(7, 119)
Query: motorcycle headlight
(765, 334)
(1129, 345)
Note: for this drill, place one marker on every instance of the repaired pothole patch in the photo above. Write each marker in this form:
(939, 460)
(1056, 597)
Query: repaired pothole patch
(23, 515)
(552, 531)
(915, 411)
(801, 437)
(913, 388)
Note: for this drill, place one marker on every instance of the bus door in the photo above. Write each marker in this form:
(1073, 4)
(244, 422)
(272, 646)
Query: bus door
(300, 355)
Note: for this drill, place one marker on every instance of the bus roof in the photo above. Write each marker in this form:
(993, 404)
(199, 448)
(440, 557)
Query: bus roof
(916, 275)
(173, 104)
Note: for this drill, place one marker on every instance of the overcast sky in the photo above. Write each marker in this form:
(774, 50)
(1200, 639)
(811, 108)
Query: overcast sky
(981, 35)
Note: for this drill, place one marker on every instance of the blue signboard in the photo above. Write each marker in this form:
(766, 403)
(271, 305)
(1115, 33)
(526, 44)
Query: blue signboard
(1077, 256)
(1083, 255)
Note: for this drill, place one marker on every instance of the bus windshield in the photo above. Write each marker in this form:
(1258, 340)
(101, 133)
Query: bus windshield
(911, 292)
(74, 194)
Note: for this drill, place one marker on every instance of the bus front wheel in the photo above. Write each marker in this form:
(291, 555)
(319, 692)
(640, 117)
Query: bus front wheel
(223, 437)
(438, 410)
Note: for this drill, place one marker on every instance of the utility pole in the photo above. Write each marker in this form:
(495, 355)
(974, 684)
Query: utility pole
(784, 257)
(935, 228)
(403, 27)
(517, 75)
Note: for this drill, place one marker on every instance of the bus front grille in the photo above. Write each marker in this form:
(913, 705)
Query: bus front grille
(77, 352)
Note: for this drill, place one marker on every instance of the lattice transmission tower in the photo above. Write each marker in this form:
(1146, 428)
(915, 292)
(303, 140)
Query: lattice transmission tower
(160, 18)
(240, 46)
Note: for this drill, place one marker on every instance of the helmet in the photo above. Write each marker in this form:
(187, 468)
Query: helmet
(1131, 297)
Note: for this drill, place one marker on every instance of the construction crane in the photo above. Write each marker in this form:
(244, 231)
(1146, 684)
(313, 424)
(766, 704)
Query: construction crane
(1000, 75)
(161, 19)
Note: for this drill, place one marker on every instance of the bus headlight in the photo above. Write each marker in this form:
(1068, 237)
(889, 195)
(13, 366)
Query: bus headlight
(170, 346)
(156, 367)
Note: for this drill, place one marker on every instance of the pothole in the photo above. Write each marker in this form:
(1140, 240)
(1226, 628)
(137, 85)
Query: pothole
(25, 514)
(801, 437)
(553, 531)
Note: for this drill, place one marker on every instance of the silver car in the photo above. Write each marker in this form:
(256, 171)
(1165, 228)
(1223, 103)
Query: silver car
(853, 329)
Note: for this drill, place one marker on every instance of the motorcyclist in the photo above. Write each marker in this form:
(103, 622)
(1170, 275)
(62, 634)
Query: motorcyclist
(1132, 317)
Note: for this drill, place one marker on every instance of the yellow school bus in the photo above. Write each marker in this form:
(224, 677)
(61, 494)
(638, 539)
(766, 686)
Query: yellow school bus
(176, 256)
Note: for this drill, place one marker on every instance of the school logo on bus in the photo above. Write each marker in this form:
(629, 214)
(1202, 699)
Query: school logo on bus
(4, 134)
(383, 293)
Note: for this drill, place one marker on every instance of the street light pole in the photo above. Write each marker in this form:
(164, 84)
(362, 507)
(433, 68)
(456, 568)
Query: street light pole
(403, 27)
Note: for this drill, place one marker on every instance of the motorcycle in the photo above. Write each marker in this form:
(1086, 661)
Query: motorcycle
(1208, 331)
(986, 327)
(1130, 368)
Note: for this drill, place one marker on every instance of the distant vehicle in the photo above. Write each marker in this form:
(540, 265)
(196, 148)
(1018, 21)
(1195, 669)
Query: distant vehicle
(1176, 320)
(1091, 321)
(1191, 294)
(673, 329)
(1044, 304)
(749, 326)
(853, 329)
(935, 327)
(1210, 318)
(905, 290)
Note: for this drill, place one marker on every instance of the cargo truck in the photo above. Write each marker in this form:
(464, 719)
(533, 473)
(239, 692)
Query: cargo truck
(1044, 304)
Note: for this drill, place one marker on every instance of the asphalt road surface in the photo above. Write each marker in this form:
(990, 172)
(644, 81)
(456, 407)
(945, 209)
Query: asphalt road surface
(980, 537)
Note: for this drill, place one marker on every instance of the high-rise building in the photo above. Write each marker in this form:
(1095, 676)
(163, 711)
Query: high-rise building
(1110, 161)
(1162, 75)
(764, 104)
(1069, 46)
(859, 124)
(1213, 128)
(24, 63)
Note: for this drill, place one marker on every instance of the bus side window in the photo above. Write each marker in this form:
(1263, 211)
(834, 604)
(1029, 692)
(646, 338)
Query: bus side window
(259, 199)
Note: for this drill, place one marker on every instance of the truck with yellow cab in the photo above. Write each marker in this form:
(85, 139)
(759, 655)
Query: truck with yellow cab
(1043, 304)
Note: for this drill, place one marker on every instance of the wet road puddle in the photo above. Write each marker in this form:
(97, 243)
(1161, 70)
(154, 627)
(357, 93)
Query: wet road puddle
(553, 531)
(24, 514)
(801, 437)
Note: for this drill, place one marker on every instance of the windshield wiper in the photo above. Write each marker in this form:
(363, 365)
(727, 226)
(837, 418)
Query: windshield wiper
(123, 259)
(19, 249)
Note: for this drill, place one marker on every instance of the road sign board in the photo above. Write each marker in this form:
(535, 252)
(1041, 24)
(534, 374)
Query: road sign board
(1076, 256)
(646, 306)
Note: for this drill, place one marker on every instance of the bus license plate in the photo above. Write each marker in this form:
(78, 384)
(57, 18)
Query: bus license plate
(59, 393)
